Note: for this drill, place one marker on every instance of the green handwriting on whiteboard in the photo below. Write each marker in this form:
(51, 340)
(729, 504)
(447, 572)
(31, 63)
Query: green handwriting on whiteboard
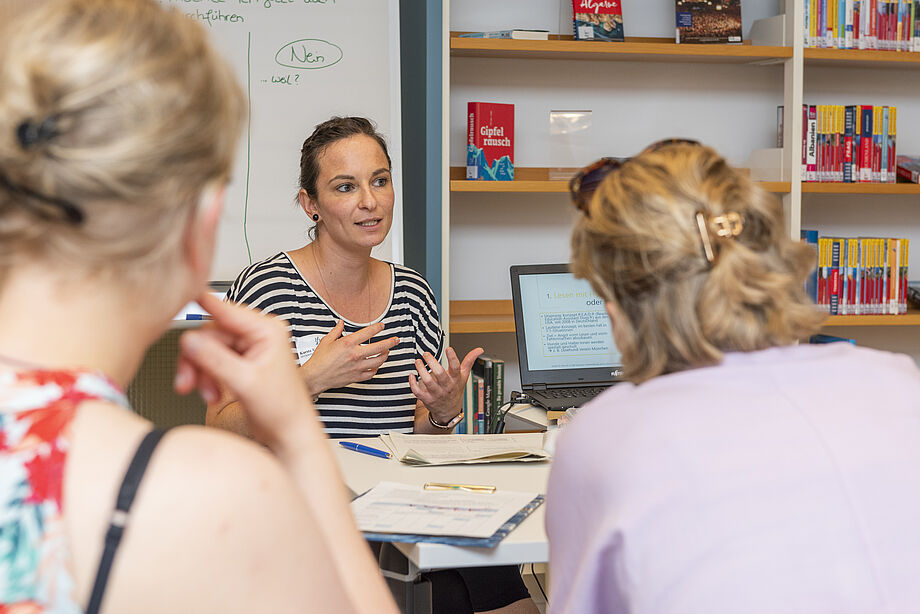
(309, 54)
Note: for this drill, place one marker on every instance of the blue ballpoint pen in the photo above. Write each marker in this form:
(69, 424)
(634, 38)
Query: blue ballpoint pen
(357, 447)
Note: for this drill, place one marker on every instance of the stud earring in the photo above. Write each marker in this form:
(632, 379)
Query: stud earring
(316, 217)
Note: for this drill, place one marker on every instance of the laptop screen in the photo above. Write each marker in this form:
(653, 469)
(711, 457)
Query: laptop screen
(563, 331)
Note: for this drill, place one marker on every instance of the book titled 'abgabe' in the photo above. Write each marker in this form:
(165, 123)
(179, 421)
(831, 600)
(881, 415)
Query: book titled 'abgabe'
(598, 20)
(490, 141)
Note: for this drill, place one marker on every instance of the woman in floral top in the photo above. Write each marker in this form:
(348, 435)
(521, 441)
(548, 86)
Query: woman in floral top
(118, 128)
(38, 408)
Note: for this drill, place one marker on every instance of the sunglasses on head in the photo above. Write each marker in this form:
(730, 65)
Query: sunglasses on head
(585, 182)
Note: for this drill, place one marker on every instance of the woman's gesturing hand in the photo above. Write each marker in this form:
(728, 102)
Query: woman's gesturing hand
(440, 389)
(250, 355)
(342, 360)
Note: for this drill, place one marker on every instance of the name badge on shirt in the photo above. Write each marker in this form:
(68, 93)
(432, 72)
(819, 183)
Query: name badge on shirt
(306, 346)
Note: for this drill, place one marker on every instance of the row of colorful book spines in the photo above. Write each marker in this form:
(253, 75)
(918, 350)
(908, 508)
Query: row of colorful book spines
(862, 276)
(849, 144)
(477, 418)
(892, 25)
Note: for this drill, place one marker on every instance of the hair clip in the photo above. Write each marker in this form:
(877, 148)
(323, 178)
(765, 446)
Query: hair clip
(727, 226)
(32, 133)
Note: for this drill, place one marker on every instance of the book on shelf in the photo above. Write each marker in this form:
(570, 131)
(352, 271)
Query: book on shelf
(466, 426)
(478, 419)
(598, 20)
(498, 394)
(779, 127)
(708, 21)
(811, 282)
(862, 275)
(908, 169)
(482, 371)
(912, 292)
(915, 18)
(516, 33)
(849, 144)
(489, 373)
(811, 144)
(890, 25)
(490, 141)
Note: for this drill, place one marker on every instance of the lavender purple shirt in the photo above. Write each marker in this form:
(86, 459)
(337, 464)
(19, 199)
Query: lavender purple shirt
(785, 480)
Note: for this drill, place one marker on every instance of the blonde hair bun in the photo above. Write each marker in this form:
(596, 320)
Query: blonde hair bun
(643, 247)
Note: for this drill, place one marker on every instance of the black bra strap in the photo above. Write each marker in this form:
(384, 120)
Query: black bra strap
(120, 515)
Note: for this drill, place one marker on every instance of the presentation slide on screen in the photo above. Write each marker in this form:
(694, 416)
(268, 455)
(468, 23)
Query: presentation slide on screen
(565, 324)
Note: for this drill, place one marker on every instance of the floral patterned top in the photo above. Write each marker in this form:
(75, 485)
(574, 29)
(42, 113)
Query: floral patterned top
(36, 411)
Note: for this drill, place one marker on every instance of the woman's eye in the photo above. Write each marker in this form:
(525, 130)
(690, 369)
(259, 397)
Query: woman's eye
(381, 182)
(344, 188)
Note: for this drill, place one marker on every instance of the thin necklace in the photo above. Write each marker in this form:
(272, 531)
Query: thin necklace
(319, 270)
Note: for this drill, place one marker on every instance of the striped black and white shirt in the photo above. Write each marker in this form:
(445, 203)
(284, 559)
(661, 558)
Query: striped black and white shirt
(382, 403)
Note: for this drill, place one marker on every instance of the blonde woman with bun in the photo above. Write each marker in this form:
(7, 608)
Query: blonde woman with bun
(736, 470)
(118, 127)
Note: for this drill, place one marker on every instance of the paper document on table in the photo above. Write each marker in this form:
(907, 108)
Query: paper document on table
(393, 508)
(456, 449)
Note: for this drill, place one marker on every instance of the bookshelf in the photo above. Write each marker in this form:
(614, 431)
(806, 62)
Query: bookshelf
(495, 66)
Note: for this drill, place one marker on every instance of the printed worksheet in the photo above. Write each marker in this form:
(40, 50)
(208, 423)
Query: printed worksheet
(401, 508)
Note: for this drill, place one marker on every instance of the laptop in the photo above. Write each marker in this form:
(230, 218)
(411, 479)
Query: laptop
(565, 348)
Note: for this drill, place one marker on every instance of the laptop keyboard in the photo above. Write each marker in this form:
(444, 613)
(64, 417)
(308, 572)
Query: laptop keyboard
(573, 393)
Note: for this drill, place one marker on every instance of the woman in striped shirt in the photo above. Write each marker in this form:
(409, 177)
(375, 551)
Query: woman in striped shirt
(365, 332)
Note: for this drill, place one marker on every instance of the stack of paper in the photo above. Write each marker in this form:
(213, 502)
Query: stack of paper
(404, 513)
(458, 449)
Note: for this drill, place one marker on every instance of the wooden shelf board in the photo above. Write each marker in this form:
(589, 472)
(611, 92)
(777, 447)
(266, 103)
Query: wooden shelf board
(536, 180)
(481, 316)
(632, 50)
(911, 318)
(862, 58)
(860, 188)
(497, 317)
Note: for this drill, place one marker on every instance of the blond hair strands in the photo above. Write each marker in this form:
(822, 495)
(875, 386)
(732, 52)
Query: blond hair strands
(642, 247)
(145, 115)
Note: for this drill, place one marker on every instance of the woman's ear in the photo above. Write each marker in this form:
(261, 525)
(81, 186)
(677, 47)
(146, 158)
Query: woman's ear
(201, 231)
(307, 204)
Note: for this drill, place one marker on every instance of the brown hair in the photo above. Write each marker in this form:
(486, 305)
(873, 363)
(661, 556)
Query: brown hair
(327, 133)
(143, 113)
(640, 247)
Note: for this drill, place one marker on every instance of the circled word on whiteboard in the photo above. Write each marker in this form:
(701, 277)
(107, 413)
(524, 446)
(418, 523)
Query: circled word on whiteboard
(309, 54)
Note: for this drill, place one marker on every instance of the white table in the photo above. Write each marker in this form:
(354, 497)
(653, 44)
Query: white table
(525, 544)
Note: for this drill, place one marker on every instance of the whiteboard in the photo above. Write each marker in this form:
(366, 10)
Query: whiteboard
(300, 62)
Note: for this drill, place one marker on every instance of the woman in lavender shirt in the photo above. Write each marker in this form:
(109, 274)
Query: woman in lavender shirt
(736, 471)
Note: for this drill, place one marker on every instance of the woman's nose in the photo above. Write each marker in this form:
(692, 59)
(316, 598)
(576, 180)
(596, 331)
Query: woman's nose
(368, 200)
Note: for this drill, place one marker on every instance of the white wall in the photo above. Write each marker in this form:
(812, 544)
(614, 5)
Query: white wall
(732, 108)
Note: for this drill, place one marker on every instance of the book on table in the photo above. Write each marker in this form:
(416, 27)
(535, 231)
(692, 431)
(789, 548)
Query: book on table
(465, 449)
